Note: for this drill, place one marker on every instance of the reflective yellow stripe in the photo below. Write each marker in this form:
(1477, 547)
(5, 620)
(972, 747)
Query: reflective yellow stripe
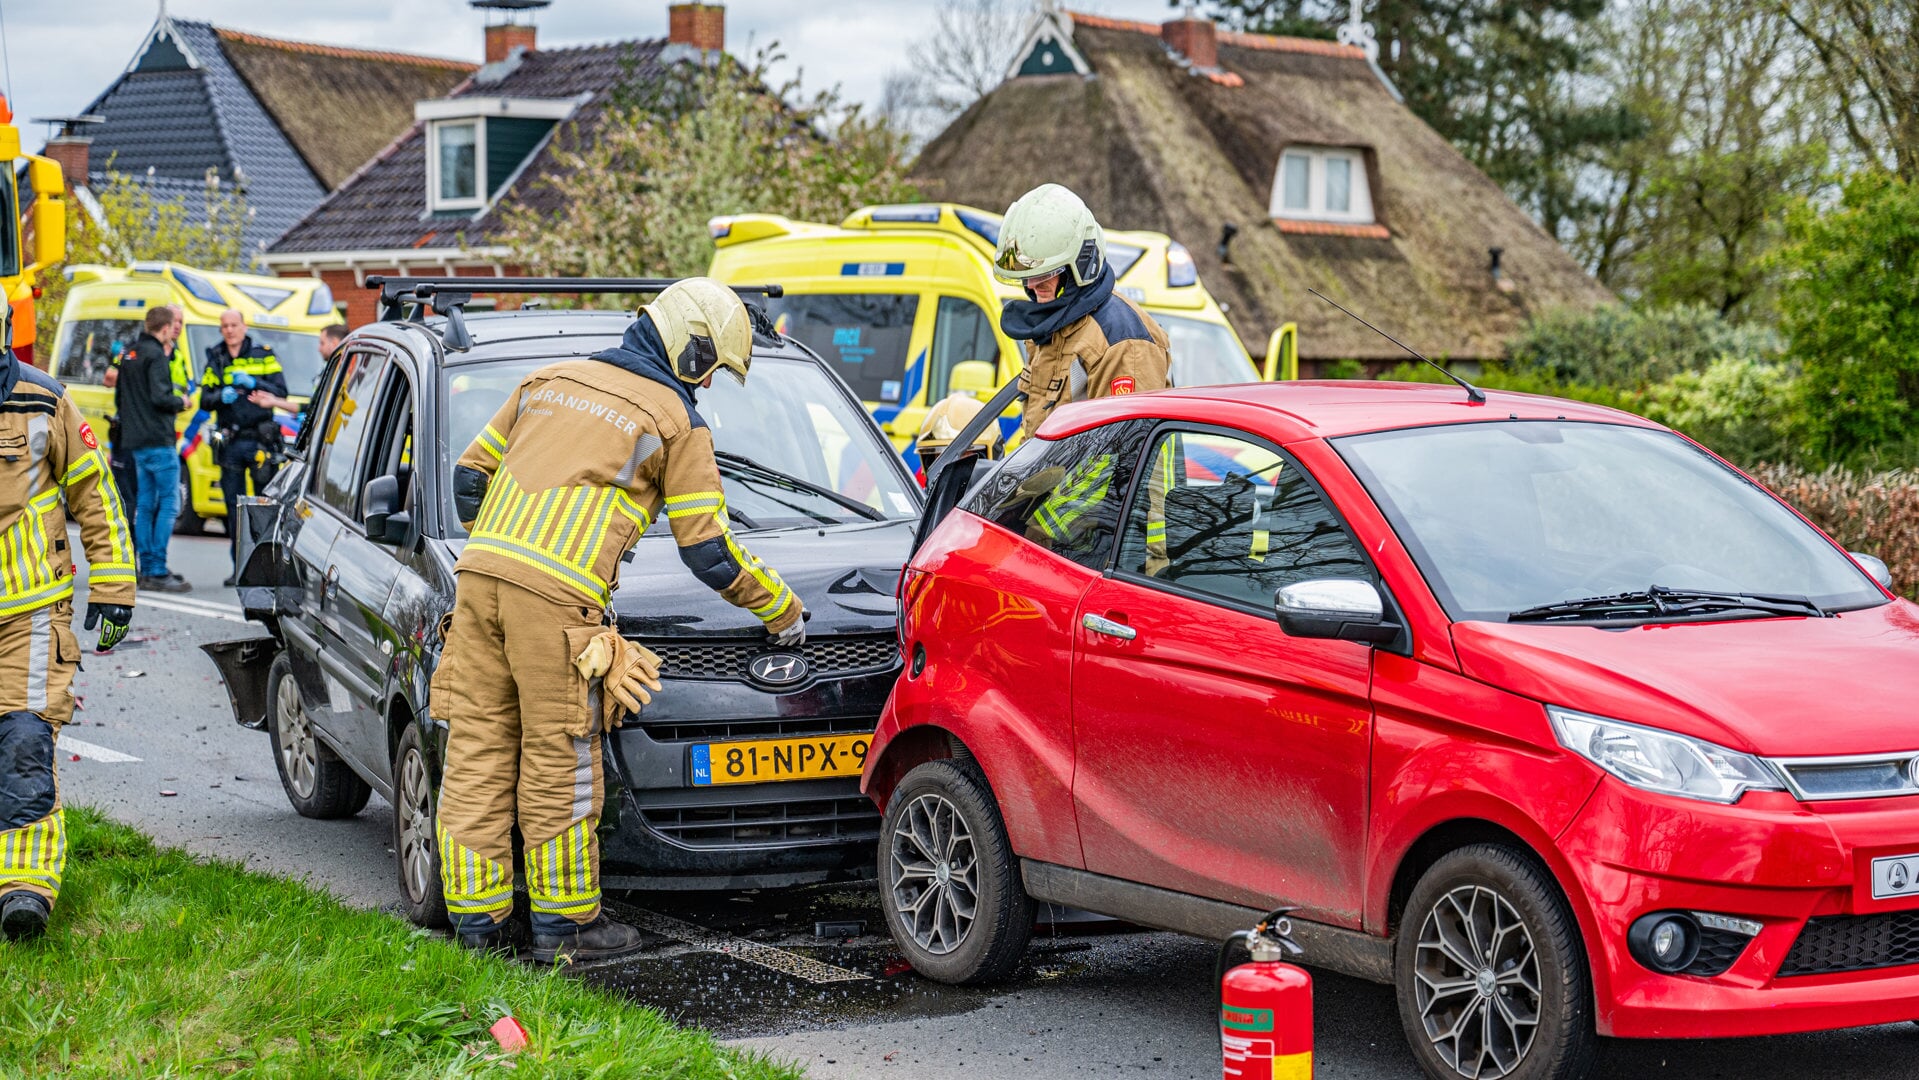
(492, 442)
(560, 876)
(507, 547)
(472, 883)
(19, 602)
(36, 853)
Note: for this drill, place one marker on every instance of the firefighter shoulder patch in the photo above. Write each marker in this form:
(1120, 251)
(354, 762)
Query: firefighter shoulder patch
(1122, 385)
(86, 436)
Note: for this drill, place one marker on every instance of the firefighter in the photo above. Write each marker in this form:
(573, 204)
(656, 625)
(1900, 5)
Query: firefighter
(50, 467)
(1087, 340)
(942, 425)
(247, 440)
(579, 460)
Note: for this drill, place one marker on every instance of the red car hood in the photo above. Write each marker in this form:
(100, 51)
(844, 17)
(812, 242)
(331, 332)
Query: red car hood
(1779, 687)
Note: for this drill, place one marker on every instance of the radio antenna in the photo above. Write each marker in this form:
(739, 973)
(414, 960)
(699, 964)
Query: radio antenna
(1473, 393)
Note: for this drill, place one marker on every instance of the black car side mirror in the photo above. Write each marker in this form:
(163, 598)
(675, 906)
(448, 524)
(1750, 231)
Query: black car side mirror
(1342, 609)
(386, 522)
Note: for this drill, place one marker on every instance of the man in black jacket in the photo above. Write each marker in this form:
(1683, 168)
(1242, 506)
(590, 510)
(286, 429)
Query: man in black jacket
(144, 400)
(248, 441)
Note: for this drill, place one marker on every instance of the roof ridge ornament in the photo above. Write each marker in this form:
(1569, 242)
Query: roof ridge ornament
(1359, 33)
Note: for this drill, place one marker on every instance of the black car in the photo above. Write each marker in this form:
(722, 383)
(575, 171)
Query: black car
(744, 771)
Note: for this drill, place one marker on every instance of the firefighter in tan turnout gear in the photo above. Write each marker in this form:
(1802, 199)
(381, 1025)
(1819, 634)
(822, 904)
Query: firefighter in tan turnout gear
(50, 467)
(580, 459)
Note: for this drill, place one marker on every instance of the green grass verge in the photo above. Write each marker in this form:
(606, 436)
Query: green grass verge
(161, 964)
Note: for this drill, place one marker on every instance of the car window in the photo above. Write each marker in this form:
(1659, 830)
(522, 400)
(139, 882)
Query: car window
(863, 335)
(337, 470)
(88, 347)
(1065, 494)
(1204, 353)
(391, 451)
(1234, 519)
(963, 331)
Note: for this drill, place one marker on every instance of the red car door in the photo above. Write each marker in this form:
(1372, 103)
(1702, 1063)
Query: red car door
(1217, 755)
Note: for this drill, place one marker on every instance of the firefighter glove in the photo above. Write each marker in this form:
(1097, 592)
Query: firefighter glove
(627, 670)
(112, 619)
(794, 634)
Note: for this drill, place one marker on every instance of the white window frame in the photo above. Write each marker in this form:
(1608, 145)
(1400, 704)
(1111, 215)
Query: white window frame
(434, 201)
(1360, 211)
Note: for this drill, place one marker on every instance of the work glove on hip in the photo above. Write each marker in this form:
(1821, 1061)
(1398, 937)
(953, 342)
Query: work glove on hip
(112, 619)
(795, 632)
(627, 670)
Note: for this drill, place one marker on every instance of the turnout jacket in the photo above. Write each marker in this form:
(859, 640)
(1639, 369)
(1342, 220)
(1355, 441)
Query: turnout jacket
(51, 467)
(1117, 349)
(240, 415)
(579, 460)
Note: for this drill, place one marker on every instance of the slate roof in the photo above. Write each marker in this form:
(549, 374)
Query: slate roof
(199, 97)
(1152, 145)
(384, 205)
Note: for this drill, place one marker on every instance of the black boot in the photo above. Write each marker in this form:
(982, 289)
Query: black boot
(497, 941)
(602, 939)
(23, 915)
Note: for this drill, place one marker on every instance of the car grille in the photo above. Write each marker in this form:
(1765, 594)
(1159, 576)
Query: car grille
(1717, 951)
(767, 824)
(1833, 943)
(830, 657)
(714, 730)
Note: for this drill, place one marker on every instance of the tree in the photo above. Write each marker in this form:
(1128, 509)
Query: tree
(1870, 48)
(128, 222)
(965, 56)
(634, 200)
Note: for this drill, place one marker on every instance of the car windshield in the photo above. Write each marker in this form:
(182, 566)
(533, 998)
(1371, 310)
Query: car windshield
(298, 353)
(789, 418)
(1204, 354)
(1508, 516)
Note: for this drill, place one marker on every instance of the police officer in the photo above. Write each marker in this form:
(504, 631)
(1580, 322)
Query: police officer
(50, 467)
(1087, 340)
(579, 460)
(247, 436)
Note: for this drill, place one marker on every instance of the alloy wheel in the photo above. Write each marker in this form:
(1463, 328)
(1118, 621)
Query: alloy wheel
(933, 872)
(298, 752)
(416, 827)
(1477, 982)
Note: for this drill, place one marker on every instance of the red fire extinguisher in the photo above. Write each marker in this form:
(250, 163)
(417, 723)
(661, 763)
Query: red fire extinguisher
(1266, 1007)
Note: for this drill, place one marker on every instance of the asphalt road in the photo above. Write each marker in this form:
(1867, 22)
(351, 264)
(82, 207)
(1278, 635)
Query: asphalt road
(158, 748)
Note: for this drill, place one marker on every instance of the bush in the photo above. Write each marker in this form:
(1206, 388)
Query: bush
(1627, 347)
(1524, 382)
(1851, 310)
(1874, 513)
(1743, 409)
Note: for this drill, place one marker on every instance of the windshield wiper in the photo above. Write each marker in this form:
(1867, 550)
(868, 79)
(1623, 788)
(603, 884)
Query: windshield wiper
(1660, 600)
(793, 483)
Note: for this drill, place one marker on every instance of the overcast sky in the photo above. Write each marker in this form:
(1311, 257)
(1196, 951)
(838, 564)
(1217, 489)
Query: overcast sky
(62, 53)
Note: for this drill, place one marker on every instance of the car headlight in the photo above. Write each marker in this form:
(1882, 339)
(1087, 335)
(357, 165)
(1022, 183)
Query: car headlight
(1660, 760)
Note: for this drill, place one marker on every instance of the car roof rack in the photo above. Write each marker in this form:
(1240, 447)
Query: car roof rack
(448, 296)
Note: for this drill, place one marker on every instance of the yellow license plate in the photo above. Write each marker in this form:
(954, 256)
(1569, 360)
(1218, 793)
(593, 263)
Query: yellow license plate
(761, 761)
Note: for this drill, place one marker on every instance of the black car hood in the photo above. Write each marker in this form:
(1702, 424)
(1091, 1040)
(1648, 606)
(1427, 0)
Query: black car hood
(846, 576)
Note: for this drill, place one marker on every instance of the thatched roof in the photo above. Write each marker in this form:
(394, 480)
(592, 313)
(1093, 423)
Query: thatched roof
(1150, 143)
(337, 106)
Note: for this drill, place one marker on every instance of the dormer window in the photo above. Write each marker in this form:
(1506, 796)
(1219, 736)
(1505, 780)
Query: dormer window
(1322, 184)
(475, 146)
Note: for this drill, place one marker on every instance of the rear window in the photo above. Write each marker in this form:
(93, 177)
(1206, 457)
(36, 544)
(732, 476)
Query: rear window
(88, 347)
(863, 335)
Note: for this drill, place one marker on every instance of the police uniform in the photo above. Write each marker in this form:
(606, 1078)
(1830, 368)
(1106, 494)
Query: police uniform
(579, 460)
(50, 467)
(250, 431)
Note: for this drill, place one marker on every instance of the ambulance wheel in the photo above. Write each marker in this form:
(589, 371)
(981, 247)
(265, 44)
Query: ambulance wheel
(415, 803)
(317, 782)
(187, 522)
(949, 882)
(1490, 972)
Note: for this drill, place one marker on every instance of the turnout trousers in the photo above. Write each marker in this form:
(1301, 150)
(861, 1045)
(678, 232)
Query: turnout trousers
(38, 656)
(523, 745)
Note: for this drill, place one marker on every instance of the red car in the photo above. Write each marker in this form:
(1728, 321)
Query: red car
(1535, 710)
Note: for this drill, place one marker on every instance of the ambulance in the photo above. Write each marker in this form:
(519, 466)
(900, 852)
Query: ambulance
(903, 300)
(107, 307)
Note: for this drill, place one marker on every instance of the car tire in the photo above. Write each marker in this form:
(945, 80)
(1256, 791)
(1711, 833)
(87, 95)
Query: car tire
(187, 522)
(943, 844)
(1444, 971)
(416, 800)
(317, 782)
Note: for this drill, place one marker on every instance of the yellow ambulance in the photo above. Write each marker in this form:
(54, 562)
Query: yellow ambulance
(904, 300)
(107, 306)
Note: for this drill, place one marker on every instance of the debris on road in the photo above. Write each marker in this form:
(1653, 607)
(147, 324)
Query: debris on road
(839, 928)
(132, 674)
(168, 794)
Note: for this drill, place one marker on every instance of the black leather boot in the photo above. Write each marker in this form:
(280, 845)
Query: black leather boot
(23, 915)
(602, 939)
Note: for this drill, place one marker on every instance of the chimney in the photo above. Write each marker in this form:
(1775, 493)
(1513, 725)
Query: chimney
(1193, 38)
(503, 38)
(72, 152)
(699, 26)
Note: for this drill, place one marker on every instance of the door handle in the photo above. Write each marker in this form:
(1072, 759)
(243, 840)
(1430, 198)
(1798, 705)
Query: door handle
(327, 583)
(1100, 625)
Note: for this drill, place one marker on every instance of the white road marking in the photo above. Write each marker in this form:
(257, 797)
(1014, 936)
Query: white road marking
(89, 751)
(200, 608)
(766, 956)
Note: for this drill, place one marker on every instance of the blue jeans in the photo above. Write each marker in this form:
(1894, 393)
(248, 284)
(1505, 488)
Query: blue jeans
(158, 468)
